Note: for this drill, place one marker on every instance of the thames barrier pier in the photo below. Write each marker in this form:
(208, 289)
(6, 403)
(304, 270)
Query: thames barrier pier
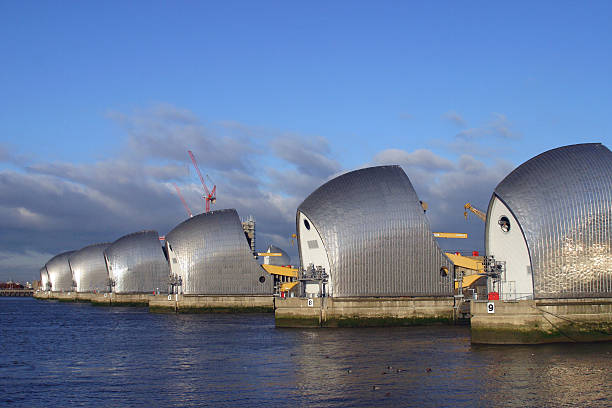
(368, 256)
(549, 231)
(212, 304)
(542, 321)
(363, 312)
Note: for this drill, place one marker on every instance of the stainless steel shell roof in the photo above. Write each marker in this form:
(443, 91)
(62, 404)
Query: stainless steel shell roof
(60, 275)
(136, 263)
(283, 260)
(89, 268)
(214, 256)
(377, 238)
(44, 278)
(562, 200)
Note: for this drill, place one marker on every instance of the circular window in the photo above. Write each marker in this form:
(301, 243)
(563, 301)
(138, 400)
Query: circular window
(444, 271)
(307, 224)
(262, 279)
(504, 223)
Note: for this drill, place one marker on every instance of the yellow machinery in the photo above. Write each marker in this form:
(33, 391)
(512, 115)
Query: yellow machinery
(468, 207)
(281, 270)
(466, 262)
(287, 286)
(284, 276)
(450, 235)
(269, 254)
(468, 281)
(474, 265)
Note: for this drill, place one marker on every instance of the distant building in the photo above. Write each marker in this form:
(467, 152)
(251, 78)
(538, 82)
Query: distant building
(59, 273)
(550, 221)
(212, 255)
(89, 268)
(137, 264)
(368, 230)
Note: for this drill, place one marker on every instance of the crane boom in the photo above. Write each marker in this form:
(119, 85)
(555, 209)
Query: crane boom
(210, 196)
(183, 200)
(460, 235)
(468, 207)
(195, 164)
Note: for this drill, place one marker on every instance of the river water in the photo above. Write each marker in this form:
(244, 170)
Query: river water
(75, 354)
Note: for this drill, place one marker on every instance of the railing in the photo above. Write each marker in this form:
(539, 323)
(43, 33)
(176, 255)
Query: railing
(508, 292)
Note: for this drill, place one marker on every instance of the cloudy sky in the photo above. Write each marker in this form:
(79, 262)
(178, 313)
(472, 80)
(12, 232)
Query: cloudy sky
(101, 101)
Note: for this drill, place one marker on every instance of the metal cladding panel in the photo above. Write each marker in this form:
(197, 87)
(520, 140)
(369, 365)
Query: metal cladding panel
(44, 278)
(562, 200)
(60, 275)
(215, 258)
(136, 263)
(89, 268)
(376, 236)
(283, 260)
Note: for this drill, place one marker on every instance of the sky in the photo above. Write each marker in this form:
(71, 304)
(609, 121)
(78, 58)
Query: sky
(100, 102)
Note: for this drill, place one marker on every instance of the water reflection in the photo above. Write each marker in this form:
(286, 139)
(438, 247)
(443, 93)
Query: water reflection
(83, 355)
(555, 375)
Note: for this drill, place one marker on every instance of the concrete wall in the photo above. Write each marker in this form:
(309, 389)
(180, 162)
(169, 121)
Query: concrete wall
(118, 299)
(542, 321)
(99, 299)
(161, 303)
(362, 312)
(41, 295)
(205, 304)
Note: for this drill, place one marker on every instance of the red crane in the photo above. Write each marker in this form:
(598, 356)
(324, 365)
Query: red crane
(210, 196)
(182, 200)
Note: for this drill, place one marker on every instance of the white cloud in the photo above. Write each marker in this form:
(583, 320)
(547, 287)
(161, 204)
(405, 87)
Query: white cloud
(497, 127)
(22, 265)
(455, 118)
(420, 158)
(309, 154)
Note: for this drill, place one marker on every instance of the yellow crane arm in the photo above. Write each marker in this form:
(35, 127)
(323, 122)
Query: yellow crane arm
(281, 270)
(287, 286)
(466, 262)
(468, 207)
(450, 235)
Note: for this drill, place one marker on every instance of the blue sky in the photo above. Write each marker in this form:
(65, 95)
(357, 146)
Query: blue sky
(99, 99)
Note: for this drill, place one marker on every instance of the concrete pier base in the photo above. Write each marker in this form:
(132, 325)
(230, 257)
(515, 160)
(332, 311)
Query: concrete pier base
(212, 304)
(61, 296)
(66, 296)
(363, 312)
(86, 297)
(118, 299)
(41, 295)
(542, 321)
(101, 299)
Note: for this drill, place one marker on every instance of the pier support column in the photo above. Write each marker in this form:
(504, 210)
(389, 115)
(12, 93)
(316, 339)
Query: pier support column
(363, 312)
(541, 321)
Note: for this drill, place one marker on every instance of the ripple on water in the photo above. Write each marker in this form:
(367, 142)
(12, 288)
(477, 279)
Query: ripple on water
(55, 354)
